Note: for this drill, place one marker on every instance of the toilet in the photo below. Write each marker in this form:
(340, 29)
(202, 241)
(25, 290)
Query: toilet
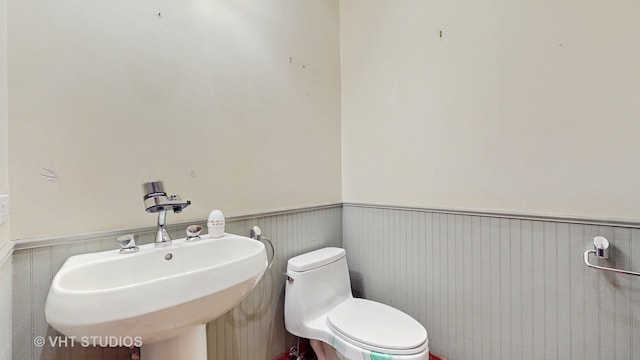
(319, 306)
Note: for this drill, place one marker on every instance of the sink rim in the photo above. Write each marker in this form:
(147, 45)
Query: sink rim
(208, 281)
(75, 262)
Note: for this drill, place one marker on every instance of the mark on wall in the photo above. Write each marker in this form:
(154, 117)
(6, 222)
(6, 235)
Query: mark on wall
(192, 175)
(49, 175)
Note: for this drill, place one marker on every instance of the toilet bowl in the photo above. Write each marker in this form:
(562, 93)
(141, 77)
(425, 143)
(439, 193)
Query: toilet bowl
(319, 306)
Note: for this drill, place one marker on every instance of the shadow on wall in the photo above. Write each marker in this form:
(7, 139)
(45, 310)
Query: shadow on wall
(357, 284)
(278, 322)
(263, 311)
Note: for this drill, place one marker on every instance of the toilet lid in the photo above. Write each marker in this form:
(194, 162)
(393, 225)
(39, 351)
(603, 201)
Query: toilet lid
(377, 326)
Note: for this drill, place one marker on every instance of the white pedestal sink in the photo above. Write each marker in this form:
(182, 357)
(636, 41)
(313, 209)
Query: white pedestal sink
(162, 297)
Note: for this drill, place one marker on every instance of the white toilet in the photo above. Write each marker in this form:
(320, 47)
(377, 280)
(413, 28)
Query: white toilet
(318, 305)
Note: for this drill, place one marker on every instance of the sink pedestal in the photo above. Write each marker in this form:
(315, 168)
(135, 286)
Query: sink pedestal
(190, 344)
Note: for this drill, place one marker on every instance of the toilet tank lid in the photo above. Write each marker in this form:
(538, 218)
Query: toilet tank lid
(315, 259)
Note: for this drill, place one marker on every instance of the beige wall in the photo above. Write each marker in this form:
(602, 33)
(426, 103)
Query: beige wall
(4, 145)
(234, 104)
(519, 106)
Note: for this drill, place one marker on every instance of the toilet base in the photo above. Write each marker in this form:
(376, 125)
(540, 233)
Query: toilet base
(342, 350)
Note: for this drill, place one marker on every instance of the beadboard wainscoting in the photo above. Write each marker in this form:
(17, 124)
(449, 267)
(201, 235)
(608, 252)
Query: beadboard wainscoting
(253, 330)
(495, 287)
(6, 271)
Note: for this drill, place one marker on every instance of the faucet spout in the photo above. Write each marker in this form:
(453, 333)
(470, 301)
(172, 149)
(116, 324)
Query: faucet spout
(162, 236)
(157, 201)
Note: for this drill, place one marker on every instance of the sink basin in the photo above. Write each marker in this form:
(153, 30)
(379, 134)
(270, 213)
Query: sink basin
(155, 293)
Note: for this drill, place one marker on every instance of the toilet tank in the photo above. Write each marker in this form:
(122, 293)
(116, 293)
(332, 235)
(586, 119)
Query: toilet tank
(318, 281)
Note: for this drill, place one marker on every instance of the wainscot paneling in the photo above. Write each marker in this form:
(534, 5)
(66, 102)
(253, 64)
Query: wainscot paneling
(6, 270)
(485, 286)
(494, 287)
(253, 330)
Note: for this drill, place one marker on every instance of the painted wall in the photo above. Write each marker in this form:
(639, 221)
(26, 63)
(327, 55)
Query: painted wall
(252, 330)
(4, 138)
(6, 248)
(234, 104)
(505, 106)
(497, 288)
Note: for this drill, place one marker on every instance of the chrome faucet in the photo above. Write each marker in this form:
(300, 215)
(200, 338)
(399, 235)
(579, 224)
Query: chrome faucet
(157, 201)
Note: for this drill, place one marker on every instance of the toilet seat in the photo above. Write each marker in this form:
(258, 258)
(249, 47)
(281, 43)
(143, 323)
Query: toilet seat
(377, 327)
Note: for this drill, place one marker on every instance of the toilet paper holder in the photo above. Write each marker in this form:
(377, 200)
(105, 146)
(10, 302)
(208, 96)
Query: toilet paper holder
(601, 250)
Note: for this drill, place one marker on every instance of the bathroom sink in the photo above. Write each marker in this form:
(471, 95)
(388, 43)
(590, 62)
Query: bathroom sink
(155, 293)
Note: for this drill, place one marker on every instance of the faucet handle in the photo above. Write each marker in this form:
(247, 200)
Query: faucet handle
(128, 243)
(193, 232)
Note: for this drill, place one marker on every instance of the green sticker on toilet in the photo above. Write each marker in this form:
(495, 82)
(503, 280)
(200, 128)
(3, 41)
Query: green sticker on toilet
(379, 356)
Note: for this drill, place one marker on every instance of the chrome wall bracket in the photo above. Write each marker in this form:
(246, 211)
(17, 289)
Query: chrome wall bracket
(256, 234)
(601, 250)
